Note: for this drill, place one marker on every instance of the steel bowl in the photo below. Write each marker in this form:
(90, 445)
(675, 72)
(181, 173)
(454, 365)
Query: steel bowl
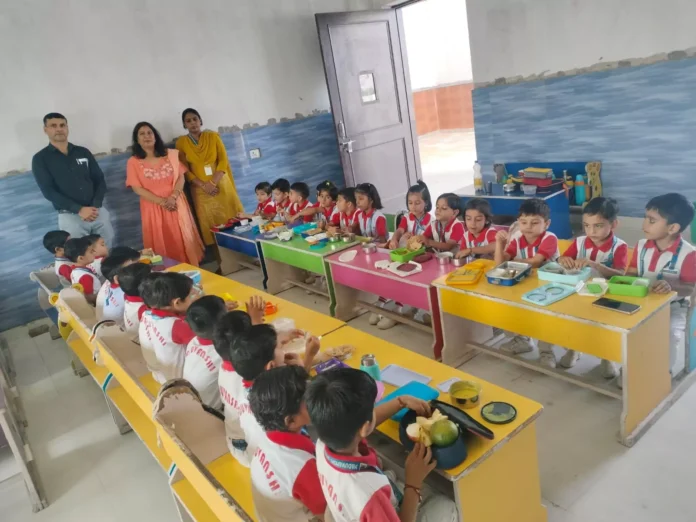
(369, 248)
(443, 258)
(348, 238)
(334, 239)
(459, 261)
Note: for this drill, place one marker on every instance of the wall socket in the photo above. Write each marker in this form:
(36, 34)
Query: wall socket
(255, 153)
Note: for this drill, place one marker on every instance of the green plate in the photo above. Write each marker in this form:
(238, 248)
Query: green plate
(499, 412)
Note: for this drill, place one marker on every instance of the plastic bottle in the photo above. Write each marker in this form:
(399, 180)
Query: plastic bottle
(478, 177)
(579, 190)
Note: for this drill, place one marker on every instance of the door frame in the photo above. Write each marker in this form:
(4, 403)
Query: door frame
(334, 94)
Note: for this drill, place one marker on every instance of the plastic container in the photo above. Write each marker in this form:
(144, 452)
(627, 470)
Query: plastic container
(548, 294)
(550, 272)
(478, 177)
(509, 273)
(529, 190)
(630, 286)
(404, 255)
(301, 229)
(447, 457)
(579, 190)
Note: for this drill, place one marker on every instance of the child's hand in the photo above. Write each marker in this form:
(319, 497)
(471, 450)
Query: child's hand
(148, 252)
(419, 464)
(502, 237)
(424, 240)
(661, 287)
(291, 218)
(463, 253)
(582, 263)
(293, 359)
(286, 337)
(256, 308)
(312, 346)
(231, 305)
(421, 407)
(393, 244)
(567, 262)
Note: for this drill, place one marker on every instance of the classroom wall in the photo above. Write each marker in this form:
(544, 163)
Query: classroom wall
(554, 98)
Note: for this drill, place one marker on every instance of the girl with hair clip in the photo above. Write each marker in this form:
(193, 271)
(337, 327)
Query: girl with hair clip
(479, 236)
(418, 218)
(324, 209)
(371, 221)
(446, 231)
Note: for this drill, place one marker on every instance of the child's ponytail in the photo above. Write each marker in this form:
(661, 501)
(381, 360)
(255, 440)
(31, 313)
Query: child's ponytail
(422, 189)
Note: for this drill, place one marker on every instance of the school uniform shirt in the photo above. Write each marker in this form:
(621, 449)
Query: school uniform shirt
(326, 215)
(411, 224)
(163, 339)
(267, 207)
(133, 310)
(281, 210)
(201, 369)
(676, 263)
(96, 267)
(63, 268)
(453, 230)
(612, 253)
(284, 480)
(111, 303)
(355, 488)
(484, 238)
(546, 244)
(372, 224)
(344, 220)
(87, 278)
(242, 430)
(296, 208)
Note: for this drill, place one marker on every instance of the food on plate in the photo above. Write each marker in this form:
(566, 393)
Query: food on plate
(436, 430)
(341, 353)
(414, 243)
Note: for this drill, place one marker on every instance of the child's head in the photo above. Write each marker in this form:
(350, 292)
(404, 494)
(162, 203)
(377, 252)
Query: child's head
(346, 199)
(204, 314)
(418, 199)
(341, 405)
(263, 191)
(227, 328)
(54, 242)
(79, 250)
(277, 399)
(299, 192)
(477, 215)
(599, 218)
(168, 291)
(253, 350)
(534, 218)
(327, 193)
(130, 277)
(99, 245)
(667, 216)
(367, 197)
(447, 207)
(280, 190)
(118, 257)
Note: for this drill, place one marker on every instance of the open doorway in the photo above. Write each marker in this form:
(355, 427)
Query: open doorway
(439, 60)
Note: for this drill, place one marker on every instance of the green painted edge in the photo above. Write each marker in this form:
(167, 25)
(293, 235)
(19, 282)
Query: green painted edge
(293, 257)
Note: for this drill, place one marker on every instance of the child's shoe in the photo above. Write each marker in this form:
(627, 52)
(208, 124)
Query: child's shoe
(619, 381)
(569, 359)
(408, 311)
(385, 323)
(374, 319)
(427, 319)
(546, 356)
(517, 345)
(609, 369)
(311, 279)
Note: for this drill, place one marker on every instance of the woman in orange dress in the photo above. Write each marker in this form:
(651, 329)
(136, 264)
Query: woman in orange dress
(157, 176)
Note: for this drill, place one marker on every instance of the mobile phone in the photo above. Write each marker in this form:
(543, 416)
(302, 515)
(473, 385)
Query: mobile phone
(617, 306)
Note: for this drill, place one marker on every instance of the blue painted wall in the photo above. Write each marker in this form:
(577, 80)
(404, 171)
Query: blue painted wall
(300, 150)
(639, 121)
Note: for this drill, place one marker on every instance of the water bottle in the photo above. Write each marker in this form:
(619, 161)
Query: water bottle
(579, 190)
(368, 364)
(478, 177)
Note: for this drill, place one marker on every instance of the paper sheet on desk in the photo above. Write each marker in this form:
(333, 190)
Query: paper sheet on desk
(399, 376)
(445, 386)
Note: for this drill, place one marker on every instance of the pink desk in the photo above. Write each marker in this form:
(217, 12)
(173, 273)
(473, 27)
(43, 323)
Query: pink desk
(361, 276)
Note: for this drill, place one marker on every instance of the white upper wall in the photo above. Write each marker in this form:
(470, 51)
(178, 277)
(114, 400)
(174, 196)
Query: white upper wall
(524, 37)
(437, 41)
(107, 65)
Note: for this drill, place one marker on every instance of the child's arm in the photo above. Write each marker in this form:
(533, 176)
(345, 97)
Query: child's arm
(256, 308)
(307, 489)
(439, 245)
(388, 409)
(311, 350)
(309, 211)
(484, 250)
(419, 464)
(536, 261)
(501, 255)
(394, 241)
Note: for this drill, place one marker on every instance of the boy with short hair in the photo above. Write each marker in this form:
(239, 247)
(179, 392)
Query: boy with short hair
(325, 208)
(346, 219)
(54, 242)
(129, 279)
(668, 261)
(284, 480)
(164, 332)
(532, 243)
(249, 348)
(202, 362)
(100, 253)
(110, 298)
(266, 207)
(299, 201)
(80, 252)
(281, 198)
(341, 406)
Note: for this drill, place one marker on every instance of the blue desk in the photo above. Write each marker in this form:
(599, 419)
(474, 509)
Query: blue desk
(508, 204)
(239, 250)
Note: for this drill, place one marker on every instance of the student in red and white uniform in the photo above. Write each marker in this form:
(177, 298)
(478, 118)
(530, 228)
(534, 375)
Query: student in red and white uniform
(345, 219)
(54, 242)
(281, 198)
(202, 362)
(601, 250)
(341, 408)
(111, 299)
(299, 202)
(371, 221)
(284, 480)
(79, 251)
(164, 332)
(266, 207)
(479, 234)
(418, 218)
(669, 261)
(532, 243)
(101, 251)
(129, 279)
(445, 231)
(247, 350)
(325, 208)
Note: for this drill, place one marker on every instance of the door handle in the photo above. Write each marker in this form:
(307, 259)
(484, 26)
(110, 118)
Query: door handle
(347, 145)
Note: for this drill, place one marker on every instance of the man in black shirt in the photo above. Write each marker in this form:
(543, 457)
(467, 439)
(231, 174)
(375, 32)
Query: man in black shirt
(70, 178)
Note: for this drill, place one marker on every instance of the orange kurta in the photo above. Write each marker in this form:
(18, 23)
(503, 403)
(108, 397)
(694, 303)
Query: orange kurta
(171, 234)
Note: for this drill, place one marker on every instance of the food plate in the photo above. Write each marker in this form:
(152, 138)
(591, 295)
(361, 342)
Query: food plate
(347, 257)
(548, 294)
(557, 274)
(499, 413)
(509, 273)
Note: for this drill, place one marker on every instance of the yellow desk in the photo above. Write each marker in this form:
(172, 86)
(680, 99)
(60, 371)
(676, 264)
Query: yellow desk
(499, 480)
(640, 341)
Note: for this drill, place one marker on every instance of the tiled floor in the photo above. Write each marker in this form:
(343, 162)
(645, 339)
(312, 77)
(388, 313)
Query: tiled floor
(90, 472)
(447, 160)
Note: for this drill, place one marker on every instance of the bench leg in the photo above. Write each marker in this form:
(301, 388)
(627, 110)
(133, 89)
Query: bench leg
(77, 366)
(119, 420)
(54, 332)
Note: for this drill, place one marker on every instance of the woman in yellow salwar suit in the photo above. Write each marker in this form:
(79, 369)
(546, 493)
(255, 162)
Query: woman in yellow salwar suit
(212, 185)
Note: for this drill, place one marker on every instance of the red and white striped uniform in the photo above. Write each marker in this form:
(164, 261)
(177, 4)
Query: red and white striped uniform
(413, 225)
(372, 224)
(546, 244)
(676, 263)
(110, 303)
(612, 253)
(201, 369)
(163, 337)
(453, 230)
(296, 208)
(133, 310)
(86, 277)
(266, 208)
(343, 220)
